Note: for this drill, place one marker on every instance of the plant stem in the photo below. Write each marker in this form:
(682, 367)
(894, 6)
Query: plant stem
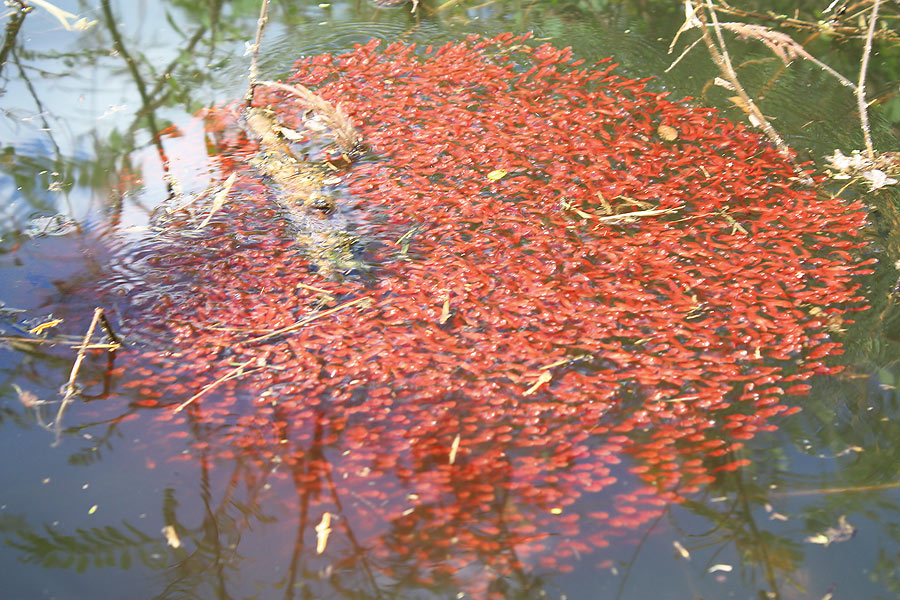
(73, 375)
(253, 74)
(723, 61)
(861, 86)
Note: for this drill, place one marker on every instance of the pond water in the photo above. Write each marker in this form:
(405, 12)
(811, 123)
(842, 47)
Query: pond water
(503, 393)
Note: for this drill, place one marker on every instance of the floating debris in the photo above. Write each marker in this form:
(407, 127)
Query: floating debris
(843, 532)
(52, 225)
(171, 536)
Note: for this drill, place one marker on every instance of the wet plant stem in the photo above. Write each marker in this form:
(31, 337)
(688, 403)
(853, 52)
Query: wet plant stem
(73, 375)
(861, 86)
(253, 74)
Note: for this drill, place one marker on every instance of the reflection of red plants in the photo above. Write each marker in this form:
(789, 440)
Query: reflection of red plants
(553, 339)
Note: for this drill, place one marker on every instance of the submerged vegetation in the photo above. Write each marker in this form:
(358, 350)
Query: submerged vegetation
(467, 315)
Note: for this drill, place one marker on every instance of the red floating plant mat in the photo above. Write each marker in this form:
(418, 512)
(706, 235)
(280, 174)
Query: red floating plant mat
(555, 289)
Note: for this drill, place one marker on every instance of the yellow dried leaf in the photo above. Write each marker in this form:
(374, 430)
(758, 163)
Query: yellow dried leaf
(667, 133)
(323, 529)
(445, 310)
(454, 448)
(740, 103)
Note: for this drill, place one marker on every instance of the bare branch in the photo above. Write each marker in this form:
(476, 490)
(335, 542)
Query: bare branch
(253, 73)
(723, 61)
(73, 375)
(783, 45)
(861, 86)
(683, 54)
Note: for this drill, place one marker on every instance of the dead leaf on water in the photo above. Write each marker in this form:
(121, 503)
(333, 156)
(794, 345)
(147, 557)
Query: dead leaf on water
(290, 134)
(171, 536)
(682, 550)
(323, 529)
(843, 532)
(46, 325)
(454, 448)
(445, 310)
(667, 133)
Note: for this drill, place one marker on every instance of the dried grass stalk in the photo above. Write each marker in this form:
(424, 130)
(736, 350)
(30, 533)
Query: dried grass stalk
(333, 115)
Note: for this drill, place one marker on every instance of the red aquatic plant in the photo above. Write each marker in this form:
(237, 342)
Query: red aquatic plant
(568, 271)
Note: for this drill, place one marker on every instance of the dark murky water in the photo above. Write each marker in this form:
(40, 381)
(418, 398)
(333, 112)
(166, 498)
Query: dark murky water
(230, 502)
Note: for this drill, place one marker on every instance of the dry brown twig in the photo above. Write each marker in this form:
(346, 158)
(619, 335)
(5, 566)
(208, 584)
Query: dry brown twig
(784, 47)
(861, 86)
(723, 61)
(253, 49)
(73, 374)
(333, 115)
(234, 373)
(841, 27)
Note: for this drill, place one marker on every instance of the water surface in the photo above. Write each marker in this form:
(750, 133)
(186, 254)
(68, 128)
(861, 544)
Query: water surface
(96, 515)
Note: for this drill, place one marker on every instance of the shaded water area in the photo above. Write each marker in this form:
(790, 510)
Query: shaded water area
(578, 339)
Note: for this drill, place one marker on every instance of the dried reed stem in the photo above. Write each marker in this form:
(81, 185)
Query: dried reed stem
(306, 320)
(637, 214)
(253, 73)
(232, 374)
(70, 386)
(723, 61)
(337, 120)
(837, 490)
(27, 340)
(861, 86)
